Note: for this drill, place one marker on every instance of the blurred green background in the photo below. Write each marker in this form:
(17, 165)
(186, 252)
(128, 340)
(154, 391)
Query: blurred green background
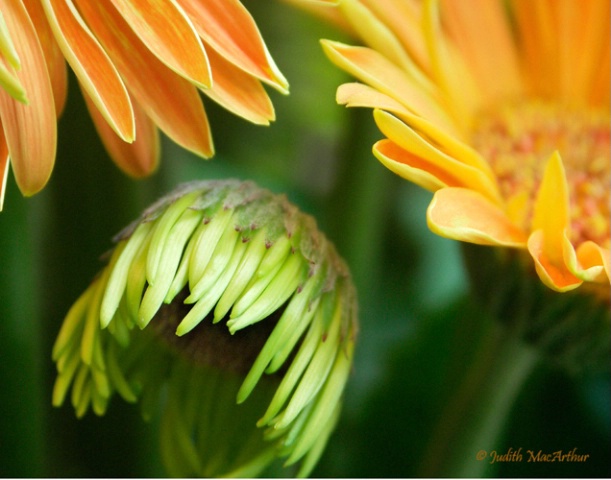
(419, 328)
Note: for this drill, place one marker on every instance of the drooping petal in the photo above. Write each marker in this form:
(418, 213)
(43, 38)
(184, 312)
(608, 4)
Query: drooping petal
(550, 225)
(92, 66)
(590, 262)
(462, 214)
(56, 64)
(555, 276)
(8, 81)
(229, 28)
(165, 29)
(480, 30)
(360, 95)
(374, 69)
(169, 100)
(408, 139)
(4, 164)
(139, 158)
(30, 130)
(239, 92)
(412, 168)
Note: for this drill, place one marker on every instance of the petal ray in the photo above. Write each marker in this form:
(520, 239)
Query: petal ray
(408, 139)
(139, 158)
(239, 92)
(465, 215)
(169, 100)
(229, 28)
(30, 130)
(165, 29)
(92, 66)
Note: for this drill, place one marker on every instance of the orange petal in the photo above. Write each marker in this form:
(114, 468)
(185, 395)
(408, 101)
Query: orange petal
(56, 64)
(30, 130)
(92, 66)
(227, 27)
(239, 92)
(376, 70)
(4, 163)
(409, 140)
(463, 98)
(480, 30)
(170, 101)
(465, 215)
(411, 167)
(556, 276)
(139, 158)
(165, 29)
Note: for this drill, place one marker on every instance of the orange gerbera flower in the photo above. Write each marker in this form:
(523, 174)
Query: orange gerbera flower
(501, 109)
(140, 64)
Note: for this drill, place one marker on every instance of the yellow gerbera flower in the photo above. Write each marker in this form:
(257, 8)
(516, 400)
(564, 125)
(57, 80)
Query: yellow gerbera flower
(502, 110)
(140, 64)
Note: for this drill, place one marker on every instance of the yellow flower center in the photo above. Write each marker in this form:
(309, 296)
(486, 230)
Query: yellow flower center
(517, 141)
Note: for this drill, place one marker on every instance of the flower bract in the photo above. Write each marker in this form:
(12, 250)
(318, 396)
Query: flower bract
(225, 307)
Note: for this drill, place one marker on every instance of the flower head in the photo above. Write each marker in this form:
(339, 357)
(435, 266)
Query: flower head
(140, 64)
(502, 110)
(220, 291)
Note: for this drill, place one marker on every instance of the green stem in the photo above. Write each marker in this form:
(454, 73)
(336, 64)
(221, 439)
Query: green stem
(21, 395)
(470, 427)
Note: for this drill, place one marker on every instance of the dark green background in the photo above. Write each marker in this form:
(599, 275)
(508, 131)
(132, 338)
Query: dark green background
(414, 302)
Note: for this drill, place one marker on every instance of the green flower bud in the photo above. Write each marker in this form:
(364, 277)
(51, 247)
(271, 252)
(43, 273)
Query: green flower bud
(224, 304)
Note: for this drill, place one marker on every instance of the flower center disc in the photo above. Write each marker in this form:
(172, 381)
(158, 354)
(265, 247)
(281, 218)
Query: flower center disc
(517, 141)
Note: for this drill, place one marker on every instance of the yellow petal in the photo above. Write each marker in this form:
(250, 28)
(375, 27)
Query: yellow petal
(30, 130)
(404, 19)
(169, 100)
(4, 163)
(360, 95)
(449, 70)
(551, 211)
(139, 158)
(374, 69)
(548, 242)
(408, 139)
(227, 27)
(166, 30)
(239, 92)
(411, 167)
(56, 64)
(555, 275)
(480, 30)
(465, 215)
(91, 65)
(379, 37)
